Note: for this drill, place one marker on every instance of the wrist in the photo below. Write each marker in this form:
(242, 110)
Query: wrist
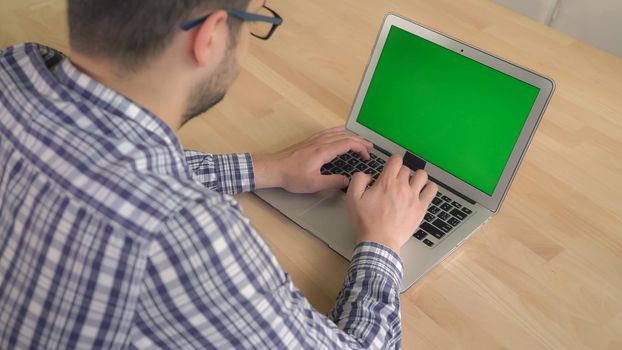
(388, 244)
(268, 173)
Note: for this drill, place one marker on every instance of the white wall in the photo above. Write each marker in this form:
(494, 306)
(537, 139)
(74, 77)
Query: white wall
(540, 10)
(598, 22)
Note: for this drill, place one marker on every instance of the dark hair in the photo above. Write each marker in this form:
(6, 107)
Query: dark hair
(131, 31)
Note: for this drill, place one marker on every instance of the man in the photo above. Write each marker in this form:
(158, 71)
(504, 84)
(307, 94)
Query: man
(113, 236)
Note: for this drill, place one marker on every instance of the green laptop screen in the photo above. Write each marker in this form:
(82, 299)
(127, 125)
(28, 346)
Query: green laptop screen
(450, 110)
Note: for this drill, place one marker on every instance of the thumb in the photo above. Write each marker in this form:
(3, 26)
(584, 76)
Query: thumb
(333, 181)
(358, 185)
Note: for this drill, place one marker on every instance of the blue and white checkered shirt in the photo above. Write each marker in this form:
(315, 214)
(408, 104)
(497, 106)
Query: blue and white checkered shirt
(112, 236)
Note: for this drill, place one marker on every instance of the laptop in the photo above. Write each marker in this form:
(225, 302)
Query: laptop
(463, 115)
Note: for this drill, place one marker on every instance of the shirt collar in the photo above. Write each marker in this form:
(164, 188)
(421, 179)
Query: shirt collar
(89, 88)
(48, 74)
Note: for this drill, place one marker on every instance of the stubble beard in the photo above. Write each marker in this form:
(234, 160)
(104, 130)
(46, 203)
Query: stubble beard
(213, 89)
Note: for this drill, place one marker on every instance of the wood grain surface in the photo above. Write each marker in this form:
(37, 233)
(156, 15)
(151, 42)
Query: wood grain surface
(545, 273)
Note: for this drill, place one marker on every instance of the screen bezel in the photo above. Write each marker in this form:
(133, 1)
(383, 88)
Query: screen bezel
(546, 86)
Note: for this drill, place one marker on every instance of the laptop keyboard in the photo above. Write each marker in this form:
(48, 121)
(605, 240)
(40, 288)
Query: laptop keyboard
(351, 162)
(444, 214)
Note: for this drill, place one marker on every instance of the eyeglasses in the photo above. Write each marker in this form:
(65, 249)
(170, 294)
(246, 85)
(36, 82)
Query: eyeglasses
(263, 23)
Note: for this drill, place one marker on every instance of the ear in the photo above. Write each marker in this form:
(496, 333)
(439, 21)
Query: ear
(211, 34)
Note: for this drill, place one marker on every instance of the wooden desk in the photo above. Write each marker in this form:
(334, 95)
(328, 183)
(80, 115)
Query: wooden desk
(546, 273)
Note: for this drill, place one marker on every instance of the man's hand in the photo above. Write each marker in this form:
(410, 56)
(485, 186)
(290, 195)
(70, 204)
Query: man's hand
(297, 168)
(389, 212)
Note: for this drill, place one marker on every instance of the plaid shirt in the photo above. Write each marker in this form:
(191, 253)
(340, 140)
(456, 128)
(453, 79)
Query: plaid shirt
(112, 236)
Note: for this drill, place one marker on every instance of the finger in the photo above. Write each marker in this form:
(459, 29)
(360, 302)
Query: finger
(358, 184)
(403, 174)
(333, 181)
(418, 180)
(338, 129)
(392, 167)
(330, 138)
(330, 134)
(428, 193)
(336, 148)
(326, 137)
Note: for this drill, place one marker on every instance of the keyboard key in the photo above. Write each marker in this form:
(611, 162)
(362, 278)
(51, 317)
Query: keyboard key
(339, 163)
(348, 168)
(445, 227)
(429, 217)
(453, 221)
(446, 206)
(466, 210)
(437, 201)
(353, 162)
(337, 171)
(373, 164)
(443, 215)
(434, 210)
(427, 227)
(346, 157)
(362, 167)
(447, 199)
(457, 205)
(420, 234)
(329, 169)
(428, 242)
(459, 214)
(439, 194)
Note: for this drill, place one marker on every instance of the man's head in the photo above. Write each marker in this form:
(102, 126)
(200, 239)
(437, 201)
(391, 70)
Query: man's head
(138, 35)
(132, 31)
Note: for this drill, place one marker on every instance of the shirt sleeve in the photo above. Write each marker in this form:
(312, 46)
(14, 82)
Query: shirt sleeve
(224, 173)
(212, 282)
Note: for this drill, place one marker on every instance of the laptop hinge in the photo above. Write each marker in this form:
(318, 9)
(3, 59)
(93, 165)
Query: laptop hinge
(382, 150)
(415, 163)
(452, 190)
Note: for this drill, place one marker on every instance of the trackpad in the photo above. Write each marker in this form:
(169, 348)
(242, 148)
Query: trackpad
(329, 221)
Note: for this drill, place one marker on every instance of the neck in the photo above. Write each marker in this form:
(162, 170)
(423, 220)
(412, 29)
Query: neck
(155, 88)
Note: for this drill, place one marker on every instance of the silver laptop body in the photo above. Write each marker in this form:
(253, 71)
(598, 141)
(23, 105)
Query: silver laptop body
(496, 147)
